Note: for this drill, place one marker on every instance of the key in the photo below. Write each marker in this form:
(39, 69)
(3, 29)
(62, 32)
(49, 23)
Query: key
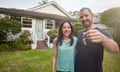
(84, 41)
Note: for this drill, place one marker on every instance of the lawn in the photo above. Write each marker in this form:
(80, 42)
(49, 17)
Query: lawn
(40, 61)
(111, 62)
(26, 61)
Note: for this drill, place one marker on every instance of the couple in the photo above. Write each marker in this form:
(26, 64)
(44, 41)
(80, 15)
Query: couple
(85, 53)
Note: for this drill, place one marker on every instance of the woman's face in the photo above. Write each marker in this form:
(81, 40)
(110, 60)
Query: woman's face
(66, 29)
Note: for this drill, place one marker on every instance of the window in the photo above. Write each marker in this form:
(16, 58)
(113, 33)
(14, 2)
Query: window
(27, 22)
(49, 24)
(18, 18)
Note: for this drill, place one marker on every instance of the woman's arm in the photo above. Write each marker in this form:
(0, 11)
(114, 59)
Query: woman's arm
(54, 57)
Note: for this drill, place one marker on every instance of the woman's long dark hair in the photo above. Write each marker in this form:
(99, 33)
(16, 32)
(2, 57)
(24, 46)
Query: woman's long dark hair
(60, 34)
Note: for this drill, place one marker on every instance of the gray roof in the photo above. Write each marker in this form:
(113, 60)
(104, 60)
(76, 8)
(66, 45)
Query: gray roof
(21, 12)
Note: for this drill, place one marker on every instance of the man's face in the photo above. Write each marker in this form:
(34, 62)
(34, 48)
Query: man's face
(86, 18)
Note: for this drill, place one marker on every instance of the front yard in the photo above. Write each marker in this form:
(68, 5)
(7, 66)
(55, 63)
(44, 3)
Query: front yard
(40, 61)
(26, 61)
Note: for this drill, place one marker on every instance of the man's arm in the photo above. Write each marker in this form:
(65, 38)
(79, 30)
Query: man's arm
(96, 36)
(110, 45)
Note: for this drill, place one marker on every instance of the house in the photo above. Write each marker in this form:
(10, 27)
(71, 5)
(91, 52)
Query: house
(39, 20)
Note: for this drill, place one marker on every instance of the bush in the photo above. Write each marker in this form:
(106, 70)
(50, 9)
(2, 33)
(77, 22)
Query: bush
(111, 18)
(52, 33)
(26, 47)
(77, 27)
(21, 43)
(7, 25)
(25, 34)
(11, 44)
(115, 33)
(4, 47)
(24, 42)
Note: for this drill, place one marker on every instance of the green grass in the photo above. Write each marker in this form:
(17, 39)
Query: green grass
(111, 62)
(26, 61)
(40, 61)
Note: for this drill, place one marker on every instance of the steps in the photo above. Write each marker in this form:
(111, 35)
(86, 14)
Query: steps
(42, 44)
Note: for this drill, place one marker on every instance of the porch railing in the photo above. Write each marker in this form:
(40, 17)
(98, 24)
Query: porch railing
(34, 39)
(47, 39)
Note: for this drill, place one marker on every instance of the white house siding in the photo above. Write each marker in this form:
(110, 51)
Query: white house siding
(50, 9)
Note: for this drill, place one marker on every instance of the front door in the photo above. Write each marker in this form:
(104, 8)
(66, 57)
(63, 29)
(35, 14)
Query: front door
(39, 29)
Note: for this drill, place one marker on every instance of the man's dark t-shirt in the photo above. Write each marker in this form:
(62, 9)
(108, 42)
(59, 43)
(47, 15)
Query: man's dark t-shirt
(89, 57)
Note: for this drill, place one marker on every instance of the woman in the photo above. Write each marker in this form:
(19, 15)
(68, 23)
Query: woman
(64, 49)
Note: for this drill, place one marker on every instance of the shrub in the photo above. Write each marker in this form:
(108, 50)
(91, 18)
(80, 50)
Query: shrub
(77, 27)
(52, 33)
(24, 42)
(26, 47)
(11, 44)
(4, 47)
(25, 34)
(115, 33)
(111, 18)
(7, 25)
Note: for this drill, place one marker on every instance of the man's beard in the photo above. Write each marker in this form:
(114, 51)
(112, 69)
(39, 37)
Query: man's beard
(88, 24)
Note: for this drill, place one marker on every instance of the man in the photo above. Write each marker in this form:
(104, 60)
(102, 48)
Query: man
(91, 42)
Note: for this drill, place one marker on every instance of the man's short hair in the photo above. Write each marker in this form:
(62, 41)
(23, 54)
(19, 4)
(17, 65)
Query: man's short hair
(85, 8)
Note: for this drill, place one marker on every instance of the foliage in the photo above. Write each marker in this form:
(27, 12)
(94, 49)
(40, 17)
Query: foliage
(24, 42)
(111, 19)
(12, 44)
(4, 47)
(43, 2)
(77, 26)
(7, 25)
(115, 33)
(52, 33)
(26, 47)
(21, 43)
(25, 34)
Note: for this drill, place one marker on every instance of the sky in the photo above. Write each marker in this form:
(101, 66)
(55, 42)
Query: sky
(96, 6)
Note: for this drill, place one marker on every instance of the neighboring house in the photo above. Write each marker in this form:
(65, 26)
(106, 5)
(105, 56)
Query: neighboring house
(39, 20)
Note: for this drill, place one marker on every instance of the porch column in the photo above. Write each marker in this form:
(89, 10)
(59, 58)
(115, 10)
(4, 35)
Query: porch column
(44, 23)
(21, 20)
(53, 23)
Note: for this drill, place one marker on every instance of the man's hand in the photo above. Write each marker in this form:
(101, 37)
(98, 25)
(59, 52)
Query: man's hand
(94, 36)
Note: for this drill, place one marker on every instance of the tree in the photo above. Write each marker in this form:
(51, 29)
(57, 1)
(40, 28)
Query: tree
(43, 2)
(8, 25)
(111, 19)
